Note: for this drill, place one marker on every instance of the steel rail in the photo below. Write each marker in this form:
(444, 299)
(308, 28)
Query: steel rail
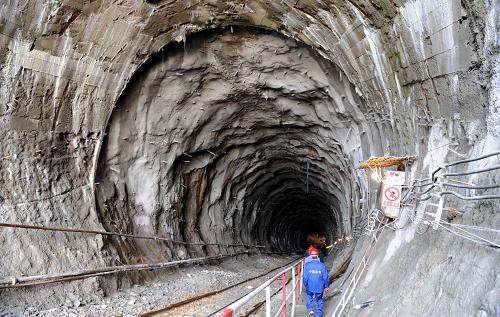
(292, 293)
(127, 235)
(208, 294)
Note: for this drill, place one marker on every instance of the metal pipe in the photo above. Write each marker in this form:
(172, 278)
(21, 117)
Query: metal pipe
(427, 190)
(473, 159)
(293, 291)
(423, 185)
(268, 301)
(12, 282)
(425, 198)
(461, 162)
(283, 306)
(471, 187)
(470, 197)
(491, 168)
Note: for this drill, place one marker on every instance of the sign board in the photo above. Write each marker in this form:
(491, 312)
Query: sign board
(391, 192)
(394, 178)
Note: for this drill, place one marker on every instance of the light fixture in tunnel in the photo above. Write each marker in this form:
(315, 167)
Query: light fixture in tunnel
(376, 175)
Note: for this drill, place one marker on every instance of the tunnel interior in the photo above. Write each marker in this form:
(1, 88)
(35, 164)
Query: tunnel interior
(237, 135)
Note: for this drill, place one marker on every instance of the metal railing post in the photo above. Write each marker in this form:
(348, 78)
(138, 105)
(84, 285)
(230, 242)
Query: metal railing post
(268, 301)
(302, 264)
(283, 286)
(293, 290)
(439, 211)
(267, 287)
(299, 276)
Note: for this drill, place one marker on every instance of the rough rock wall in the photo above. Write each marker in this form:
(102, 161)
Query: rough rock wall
(237, 137)
(427, 69)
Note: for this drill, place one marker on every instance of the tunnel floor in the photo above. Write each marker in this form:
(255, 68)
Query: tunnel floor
(173, 287)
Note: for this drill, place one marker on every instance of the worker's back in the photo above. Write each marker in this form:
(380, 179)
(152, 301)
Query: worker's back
(315, 277)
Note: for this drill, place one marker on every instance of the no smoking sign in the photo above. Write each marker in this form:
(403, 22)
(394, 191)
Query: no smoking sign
(392, 193)
(392, 196)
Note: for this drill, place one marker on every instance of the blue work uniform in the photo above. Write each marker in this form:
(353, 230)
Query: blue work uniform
(315, 280)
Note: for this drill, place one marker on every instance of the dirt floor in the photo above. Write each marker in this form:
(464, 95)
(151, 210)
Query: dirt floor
(168, 289)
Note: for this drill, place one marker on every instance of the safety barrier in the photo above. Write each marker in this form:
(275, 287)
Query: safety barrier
(351, 287)
(295, 270)
(444, 181)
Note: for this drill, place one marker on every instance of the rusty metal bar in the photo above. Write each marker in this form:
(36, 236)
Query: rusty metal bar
(127, 235)
(24, 281)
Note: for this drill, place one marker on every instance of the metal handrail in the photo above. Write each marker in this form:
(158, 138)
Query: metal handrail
(462, 162)
(229, 310)
(356, 277)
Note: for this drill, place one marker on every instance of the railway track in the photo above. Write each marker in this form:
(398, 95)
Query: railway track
(212, 300)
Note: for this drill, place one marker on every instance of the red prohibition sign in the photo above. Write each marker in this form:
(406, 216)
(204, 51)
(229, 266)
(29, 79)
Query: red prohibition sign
(391, 193)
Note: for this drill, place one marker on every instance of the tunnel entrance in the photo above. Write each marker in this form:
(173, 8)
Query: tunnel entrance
(235, 136)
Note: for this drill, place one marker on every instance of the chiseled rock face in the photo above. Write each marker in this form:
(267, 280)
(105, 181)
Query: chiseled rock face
(243, 121)
(236, 136)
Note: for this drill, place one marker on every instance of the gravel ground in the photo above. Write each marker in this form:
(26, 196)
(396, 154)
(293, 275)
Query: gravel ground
(170, 288)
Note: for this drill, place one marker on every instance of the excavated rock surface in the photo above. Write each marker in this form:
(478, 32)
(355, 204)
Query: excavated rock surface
(244, 121)
(236, 138)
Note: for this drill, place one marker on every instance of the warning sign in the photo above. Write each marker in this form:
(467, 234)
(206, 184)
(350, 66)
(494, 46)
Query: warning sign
(392, 196)
(391, 193)
(394, 178)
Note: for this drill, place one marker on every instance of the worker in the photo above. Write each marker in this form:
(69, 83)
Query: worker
(308, 253)
(309, 249)
(319, 250)
(316, 282)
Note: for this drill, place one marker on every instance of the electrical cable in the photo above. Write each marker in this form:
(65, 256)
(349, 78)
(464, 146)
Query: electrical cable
(127, 235)
(474, 227)
(475, 240)
(479, 237)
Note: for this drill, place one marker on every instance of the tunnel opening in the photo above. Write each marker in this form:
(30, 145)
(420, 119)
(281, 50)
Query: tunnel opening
(237, 135)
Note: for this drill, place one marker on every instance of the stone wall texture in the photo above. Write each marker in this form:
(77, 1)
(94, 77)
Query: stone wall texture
(245, 122)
